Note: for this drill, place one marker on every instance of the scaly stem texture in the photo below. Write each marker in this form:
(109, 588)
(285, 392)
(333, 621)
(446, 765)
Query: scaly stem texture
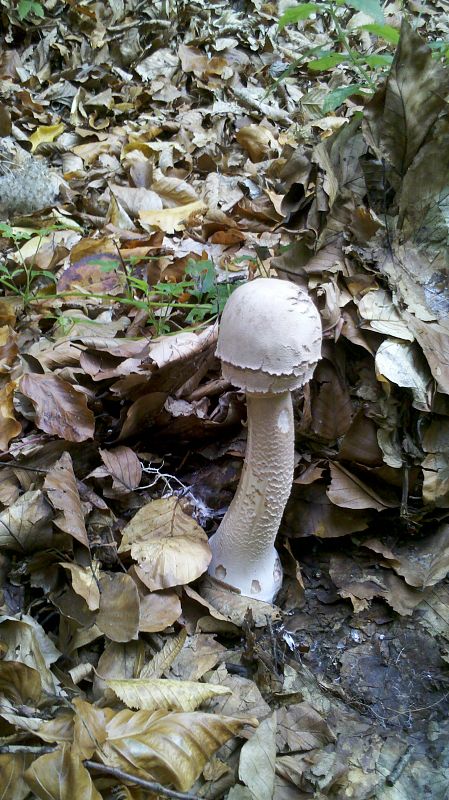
(243, 546)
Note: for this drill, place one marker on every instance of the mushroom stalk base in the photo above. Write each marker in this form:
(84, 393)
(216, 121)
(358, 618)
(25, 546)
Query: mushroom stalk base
(243, 553)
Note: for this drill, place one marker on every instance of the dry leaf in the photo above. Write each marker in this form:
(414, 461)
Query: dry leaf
(61, 775)
(124, 467)
(119, 612)
(168, 545)
(60, 409)
(257, 760)
(170, 220)
(60, 485)
(161, 693)
(9, 425)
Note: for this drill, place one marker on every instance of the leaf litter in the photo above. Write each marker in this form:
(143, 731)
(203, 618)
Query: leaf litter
(178, 149)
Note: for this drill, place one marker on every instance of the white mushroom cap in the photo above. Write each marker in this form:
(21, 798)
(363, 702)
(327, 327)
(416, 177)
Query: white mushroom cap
(270, 337)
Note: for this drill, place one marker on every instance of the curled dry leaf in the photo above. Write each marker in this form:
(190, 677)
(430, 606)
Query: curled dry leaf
(161, 693)
(361, 580)
(169, 546)
(60, 485)
(119, 612)
(60, 409)
(421, 563)
(61, 775)
(236, 606)
(348, 491)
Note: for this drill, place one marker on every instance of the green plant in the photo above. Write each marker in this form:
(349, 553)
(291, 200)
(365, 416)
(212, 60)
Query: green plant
(29, 8)
(366, 66)
(198, 298)
(23, 279)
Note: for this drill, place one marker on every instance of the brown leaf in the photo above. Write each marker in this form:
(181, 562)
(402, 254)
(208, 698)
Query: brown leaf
(150, 742)
(124, 466)
(61, 775)
(170, 547)
(119, 612)
(60, 485)
(159, 610)
(9, 426)
(331, 405)
(60, 409)
(422, 563)
(348, 491)
(12, 767)
(25, 525)
(309, 512)
(361, 580)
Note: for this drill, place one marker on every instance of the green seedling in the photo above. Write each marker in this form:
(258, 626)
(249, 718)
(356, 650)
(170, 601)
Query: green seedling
(23, 279)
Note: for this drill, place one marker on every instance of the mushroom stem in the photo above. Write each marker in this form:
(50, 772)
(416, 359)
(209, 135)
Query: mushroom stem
(243, 553)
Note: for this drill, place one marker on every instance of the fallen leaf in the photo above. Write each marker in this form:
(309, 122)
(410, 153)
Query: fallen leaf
(119, 612)
(61, 488)
(257, 760)
(9, 425)
(60, 409)
(170, 220)
(161, 693)
(168, 545)
(61, 775)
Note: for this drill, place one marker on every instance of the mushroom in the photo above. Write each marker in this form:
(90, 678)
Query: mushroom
(269, 343)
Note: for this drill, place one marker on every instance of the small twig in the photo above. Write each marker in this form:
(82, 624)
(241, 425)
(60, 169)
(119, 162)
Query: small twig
(396, 773)
(38, 750)
(150, 785)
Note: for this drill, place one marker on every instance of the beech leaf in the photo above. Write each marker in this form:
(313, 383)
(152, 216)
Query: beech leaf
(170, 547)
(161, 693)
(60, 409)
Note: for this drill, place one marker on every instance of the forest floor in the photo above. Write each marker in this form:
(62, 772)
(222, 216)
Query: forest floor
(153, 156)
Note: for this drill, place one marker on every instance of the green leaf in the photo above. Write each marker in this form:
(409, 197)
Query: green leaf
(27, 7)
(386, 32)
(370, 7)
(338, 96)
(379, 61)
(327, 62)
(298, 13)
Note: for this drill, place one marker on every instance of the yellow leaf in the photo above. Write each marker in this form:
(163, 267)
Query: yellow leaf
(45, 133)
(170, 220)
(161, 693)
